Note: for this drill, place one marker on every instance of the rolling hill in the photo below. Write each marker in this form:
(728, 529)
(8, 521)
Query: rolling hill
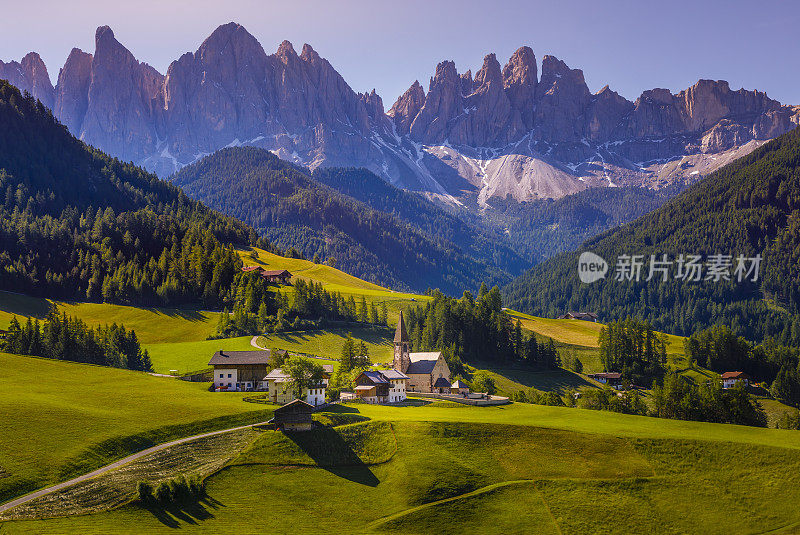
(750, 207)
(290, 208)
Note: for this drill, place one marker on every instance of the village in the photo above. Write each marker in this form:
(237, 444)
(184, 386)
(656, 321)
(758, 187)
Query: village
(422, 374)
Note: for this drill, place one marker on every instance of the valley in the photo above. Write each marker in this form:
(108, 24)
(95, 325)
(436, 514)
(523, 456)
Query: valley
(239, 296)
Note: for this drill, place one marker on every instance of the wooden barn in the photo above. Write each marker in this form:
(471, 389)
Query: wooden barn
(294, 416)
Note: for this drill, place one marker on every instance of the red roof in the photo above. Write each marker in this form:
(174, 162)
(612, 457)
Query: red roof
(735, 375)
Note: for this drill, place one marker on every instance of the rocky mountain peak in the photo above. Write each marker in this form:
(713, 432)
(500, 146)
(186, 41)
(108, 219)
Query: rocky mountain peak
(490, 72)
(520, 81)
(30, 75)
(309, 54)
(406, 107)
(286, 51)
(72, 97)
(443, 103)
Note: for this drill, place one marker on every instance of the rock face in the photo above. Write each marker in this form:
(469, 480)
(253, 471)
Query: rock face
(30, 75)
(504, 131)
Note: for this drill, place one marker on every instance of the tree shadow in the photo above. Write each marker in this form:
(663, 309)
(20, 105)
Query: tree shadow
(330, 452)
(189, 513)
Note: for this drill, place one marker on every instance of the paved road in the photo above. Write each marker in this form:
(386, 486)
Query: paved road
(107, 468)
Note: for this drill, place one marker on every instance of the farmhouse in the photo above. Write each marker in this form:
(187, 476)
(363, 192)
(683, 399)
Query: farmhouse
(278, 276)
(730, 379)
(281, 389)
(612, 379)
(235, 371)
(585, 316)
(384, 386)
(294, 416)
(424, 370)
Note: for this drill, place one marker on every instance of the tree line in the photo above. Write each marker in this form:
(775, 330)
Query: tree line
(259, 306)
(749, 207)
(476, 329)
(78, 224)
(63, 337)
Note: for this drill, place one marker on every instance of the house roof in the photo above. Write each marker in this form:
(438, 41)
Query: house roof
(393, 374)
(298, 405)
(375, 377)
(441, 382)
(607, 375)
(275, 272)
(578, 315)
(222, 358)
(400, 335)
(735, 375)
(459, 384)
(364, 388)
(276, 374)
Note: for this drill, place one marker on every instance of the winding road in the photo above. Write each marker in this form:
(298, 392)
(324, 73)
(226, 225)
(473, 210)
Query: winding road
(113, 466)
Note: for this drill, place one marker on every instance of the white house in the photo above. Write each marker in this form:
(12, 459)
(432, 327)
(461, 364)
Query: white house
(730, 379)
(281, 389)
(237, 371)
(382, 386)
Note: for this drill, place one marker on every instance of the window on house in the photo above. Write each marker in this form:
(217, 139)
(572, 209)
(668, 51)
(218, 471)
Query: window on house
(229, 376)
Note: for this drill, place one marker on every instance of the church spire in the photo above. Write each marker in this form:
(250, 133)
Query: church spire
(400, 334)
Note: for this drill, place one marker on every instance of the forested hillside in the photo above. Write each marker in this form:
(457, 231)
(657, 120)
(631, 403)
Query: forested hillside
(466, 231)
(542, 228)
(749, 207)
(293, 210)
(77, 224)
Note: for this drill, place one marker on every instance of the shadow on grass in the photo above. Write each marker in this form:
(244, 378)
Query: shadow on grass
(545, 380)
(189, 513)
(330, 452)
(372, 335)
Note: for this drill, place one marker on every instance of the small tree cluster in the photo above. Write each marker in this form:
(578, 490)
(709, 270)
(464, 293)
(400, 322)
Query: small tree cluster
(175, 491)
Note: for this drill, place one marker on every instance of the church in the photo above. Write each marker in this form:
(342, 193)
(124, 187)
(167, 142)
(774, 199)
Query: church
(427, 372)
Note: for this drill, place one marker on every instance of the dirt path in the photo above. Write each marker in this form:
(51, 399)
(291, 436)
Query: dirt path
(109, 467)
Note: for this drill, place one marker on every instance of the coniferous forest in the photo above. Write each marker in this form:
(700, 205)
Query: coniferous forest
(749, 207)
(77, 224)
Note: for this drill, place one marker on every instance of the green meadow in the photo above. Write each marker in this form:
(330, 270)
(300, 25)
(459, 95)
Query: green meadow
(62, 419)
(515, 469)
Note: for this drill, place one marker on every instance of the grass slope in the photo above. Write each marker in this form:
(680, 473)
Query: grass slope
(509, 469)
(152, 325)
(62, 419)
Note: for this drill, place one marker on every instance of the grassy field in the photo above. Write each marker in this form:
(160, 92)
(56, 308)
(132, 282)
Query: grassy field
(334, 280)
(152, 325)
(61, 419)
(512, 469)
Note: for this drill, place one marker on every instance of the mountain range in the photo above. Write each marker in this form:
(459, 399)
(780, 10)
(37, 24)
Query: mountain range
(506, 131)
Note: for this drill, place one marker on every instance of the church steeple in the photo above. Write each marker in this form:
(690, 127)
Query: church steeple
(402, 347)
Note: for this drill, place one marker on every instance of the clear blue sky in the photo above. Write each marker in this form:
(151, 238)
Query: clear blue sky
(630, 45)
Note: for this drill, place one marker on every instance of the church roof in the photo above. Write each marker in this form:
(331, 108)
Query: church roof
(429, 355)
(400, 334)
(422, 362)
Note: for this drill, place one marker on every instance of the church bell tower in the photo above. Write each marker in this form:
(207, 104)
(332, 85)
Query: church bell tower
(402, 347)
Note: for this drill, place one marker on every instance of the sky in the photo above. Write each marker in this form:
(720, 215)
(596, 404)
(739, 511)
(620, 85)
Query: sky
(629, 45)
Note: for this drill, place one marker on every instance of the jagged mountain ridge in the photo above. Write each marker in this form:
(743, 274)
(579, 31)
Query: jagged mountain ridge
(507, 131)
